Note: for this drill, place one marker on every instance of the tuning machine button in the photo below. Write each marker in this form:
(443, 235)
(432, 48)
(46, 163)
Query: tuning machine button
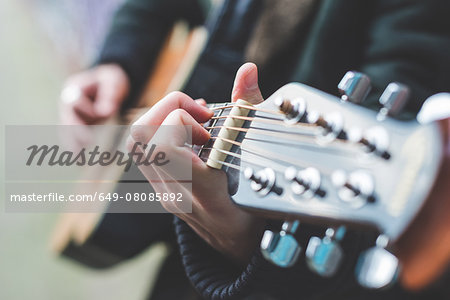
(356, 189)
(305, 183)
(281, 249)
(377, 267)
(354, 87)
(393, 100)
(263, 182)
(324, 256)
(294, 110)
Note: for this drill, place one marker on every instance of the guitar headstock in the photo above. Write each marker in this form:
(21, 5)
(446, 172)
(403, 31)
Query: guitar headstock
(304, 155)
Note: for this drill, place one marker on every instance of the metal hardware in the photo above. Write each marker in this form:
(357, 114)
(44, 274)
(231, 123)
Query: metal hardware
(332, 124)
(324, 256)
(356, 189)
(281, 249)
(393, 100)
(263, 181)
(375, 140)
(294, 110)
(377, 267)
(354, 87)
(305, 183)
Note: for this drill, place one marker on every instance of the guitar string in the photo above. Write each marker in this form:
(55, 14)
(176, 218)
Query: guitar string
(275, 112)
(238, 167)
(302, 139)
(233, 166)
(262, 120)
(273, 156)
(265, 130)
(332, 149)
(213, 123)
(255, 109)
(268, 132)
(240, 157)
(291, 136)
(277, 122)
(231, 105)
(267, 120)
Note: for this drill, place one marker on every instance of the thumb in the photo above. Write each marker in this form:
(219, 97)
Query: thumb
(112, 90)
(107, 101)
(246, 85)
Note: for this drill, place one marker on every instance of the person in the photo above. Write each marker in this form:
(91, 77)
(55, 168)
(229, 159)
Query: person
(313, 42)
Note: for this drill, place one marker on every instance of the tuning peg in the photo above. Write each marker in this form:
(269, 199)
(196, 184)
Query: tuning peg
(305, 183)
(356, 188)
(294, 110)
(263, 182)
(354, 87)
(393, 100)
(332, 124)
(377, 267)
(281, 249)
(375, 140)
(324, 256)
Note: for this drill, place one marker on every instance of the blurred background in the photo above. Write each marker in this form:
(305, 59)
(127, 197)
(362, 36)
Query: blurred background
(41, 43)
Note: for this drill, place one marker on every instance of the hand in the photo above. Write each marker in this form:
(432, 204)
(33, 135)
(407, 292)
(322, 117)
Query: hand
(214, 217)
(94, 95)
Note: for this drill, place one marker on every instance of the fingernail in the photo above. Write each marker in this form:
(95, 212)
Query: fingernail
(251, 79)
(208, 110)
(205, 108)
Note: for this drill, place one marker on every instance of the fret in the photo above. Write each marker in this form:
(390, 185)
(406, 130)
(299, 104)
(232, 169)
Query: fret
(202, 153)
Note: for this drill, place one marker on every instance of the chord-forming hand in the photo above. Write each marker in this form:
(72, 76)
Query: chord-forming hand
(214, 217)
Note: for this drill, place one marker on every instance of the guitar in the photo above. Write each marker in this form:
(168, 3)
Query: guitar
(306, 156)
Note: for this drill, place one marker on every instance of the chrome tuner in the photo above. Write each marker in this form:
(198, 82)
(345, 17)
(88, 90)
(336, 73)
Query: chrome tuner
(332, 125)
(374, 140)
(305, 183)
(393, 100)
(354, 87)
(263, 182)
(294, 110)
(324, 256)
(377, 267)
(281, 249)
(356, 189)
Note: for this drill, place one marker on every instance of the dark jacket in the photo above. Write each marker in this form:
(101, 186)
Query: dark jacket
(390, 40)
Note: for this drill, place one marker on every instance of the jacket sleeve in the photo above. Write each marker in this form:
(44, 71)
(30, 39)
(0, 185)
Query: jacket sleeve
(138, 31)
(215, 277)
(409, 42)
